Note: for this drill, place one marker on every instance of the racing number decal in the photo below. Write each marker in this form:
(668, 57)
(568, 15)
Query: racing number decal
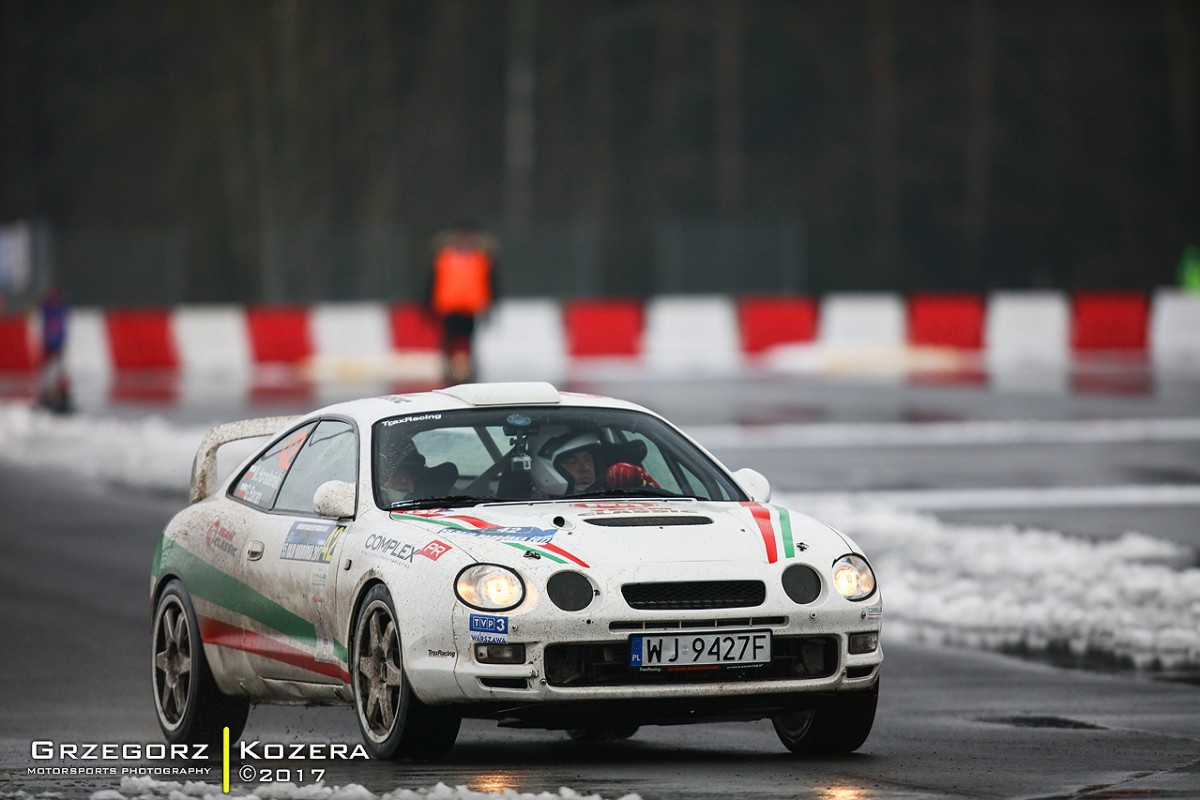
(288, 453)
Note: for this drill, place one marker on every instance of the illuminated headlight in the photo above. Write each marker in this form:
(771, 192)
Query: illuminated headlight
(853, 578)
(489, 587)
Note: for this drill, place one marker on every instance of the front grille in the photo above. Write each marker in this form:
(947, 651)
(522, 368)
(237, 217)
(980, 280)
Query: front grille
(792, 657)
(648, 521)
(685, 595)
(697, 624)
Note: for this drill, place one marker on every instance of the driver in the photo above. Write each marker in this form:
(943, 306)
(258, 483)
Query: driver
(401, 484)
(565, 464)
(411, 479)
(568, 464)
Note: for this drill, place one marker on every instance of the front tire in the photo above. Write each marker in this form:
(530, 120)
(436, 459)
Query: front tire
(190, 708)
(836, 729)
(392, 721)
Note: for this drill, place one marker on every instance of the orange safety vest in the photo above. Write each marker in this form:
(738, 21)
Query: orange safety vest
(461, 281)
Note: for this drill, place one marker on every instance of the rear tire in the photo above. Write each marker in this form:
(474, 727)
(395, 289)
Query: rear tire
(190, 708)
(393, 722)
(836, 729)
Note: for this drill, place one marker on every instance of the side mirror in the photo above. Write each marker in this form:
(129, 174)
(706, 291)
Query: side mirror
(754, 484)
(335, 499)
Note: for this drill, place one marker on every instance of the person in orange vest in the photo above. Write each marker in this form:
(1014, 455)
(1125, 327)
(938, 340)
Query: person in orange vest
(462, 287)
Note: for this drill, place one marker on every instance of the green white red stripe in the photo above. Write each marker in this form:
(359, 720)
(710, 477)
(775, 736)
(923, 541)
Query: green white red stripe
(549, 551)
(228, 593)
(214, 631)
(454, 522)
(774, 524)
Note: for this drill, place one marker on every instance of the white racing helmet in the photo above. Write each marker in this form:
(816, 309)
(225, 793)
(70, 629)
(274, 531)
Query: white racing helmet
(547, 448)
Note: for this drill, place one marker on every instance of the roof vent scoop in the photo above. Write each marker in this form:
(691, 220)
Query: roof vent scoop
(644, 521)
(504, 394)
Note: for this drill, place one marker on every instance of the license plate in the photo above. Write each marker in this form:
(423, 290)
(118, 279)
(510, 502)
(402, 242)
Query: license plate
(687, 649)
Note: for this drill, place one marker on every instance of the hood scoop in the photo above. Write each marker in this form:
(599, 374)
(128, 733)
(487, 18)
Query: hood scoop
(642, 521)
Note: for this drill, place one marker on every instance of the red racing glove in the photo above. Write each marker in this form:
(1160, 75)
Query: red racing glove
(623, 475)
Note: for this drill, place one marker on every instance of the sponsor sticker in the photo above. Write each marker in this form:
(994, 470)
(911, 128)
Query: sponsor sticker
(311, 541)
(325, 650)
(387, 423)
(600, 508)
(488, 628)
(435, 550)
(259, 482)
(392, 548)
(218, 537)
(318, 581)
(288, 454)
(516, 534)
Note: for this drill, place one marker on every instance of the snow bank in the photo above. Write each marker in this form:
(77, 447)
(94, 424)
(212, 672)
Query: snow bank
(1132, 601)
(150, 789)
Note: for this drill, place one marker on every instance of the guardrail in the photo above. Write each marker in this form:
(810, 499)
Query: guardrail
(526, 337)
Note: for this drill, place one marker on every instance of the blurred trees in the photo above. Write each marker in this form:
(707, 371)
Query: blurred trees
(289, 150)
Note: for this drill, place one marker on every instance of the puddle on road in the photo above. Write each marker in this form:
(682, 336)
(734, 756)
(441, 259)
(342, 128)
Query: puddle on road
(1024, 721)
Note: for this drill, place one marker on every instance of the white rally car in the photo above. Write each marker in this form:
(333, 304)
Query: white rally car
(511, 552)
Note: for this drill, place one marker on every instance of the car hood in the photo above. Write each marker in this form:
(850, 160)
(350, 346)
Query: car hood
(618, 532)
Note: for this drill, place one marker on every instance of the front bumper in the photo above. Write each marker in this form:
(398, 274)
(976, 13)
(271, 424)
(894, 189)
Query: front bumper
(577, 663)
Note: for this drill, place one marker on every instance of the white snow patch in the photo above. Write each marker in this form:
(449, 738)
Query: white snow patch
(1134, 597)
(149, 453)
(150, 789)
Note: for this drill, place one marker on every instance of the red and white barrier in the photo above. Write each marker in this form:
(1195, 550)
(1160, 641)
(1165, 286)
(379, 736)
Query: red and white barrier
(1027, 328)
(691, 334)
(521, 339)
(868, 321)
(1175, 329)
(211, 340)
(528, 338)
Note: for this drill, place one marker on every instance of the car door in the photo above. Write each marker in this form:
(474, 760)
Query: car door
(290, 563)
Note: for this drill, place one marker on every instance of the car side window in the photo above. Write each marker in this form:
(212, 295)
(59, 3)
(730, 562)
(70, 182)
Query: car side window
(259, 484)
(329, 453)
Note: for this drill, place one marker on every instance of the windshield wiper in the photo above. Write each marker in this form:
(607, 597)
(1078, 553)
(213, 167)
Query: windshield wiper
(644, 491)
(436, 502)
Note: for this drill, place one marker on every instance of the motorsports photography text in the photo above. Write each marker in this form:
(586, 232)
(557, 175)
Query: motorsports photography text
(247, 761)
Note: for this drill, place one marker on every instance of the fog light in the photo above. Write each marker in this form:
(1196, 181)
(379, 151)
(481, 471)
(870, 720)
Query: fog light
(859, 643)
(491, 653)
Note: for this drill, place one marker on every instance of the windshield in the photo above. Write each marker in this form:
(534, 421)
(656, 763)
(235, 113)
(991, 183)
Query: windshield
(537, 453)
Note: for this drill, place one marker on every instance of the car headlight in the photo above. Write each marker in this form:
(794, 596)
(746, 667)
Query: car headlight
(853, 578)
(489, 587)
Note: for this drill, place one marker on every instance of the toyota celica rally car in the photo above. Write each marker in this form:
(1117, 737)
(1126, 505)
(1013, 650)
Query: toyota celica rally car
(509, 552)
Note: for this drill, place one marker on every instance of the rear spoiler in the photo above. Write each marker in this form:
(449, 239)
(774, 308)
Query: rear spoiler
(204, 467)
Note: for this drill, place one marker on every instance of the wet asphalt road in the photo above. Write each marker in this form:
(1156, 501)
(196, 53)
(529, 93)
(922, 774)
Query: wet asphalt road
(951, 723)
